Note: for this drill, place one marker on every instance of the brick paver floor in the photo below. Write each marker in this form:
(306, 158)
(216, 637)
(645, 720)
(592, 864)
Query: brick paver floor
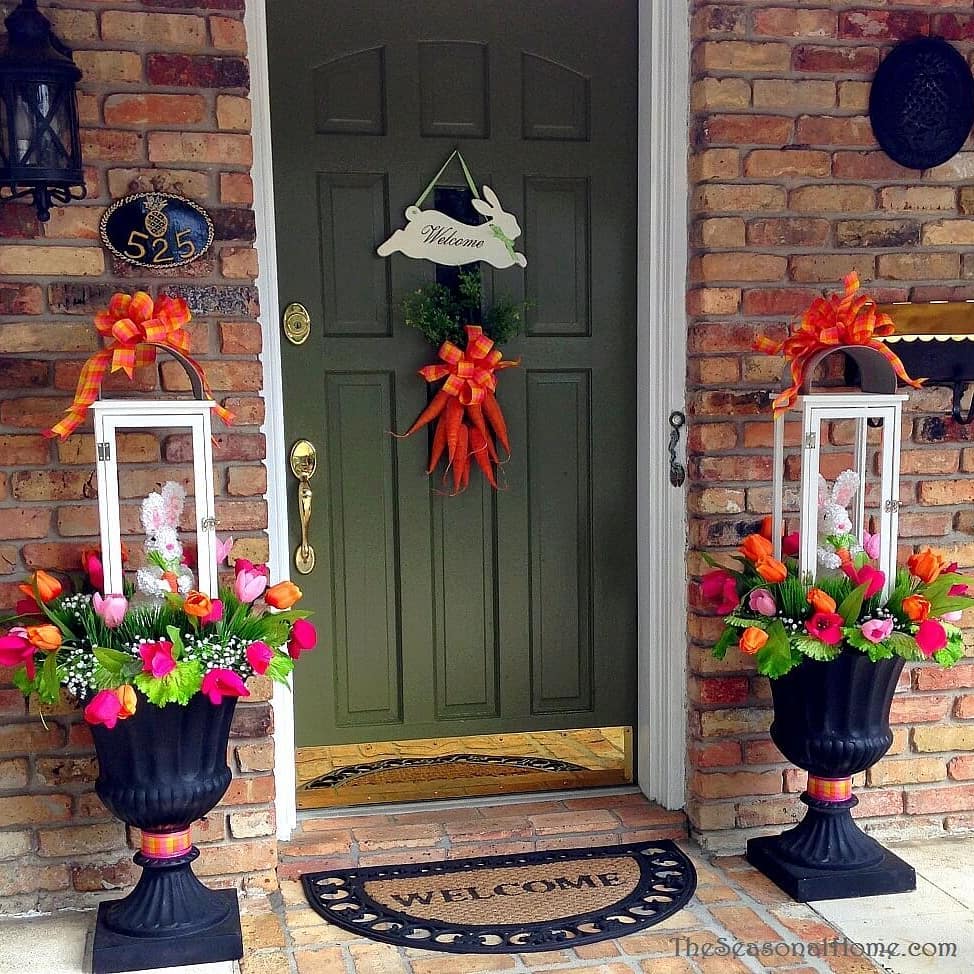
(737, 922)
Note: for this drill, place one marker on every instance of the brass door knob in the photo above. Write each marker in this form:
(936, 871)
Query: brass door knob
(304, 461)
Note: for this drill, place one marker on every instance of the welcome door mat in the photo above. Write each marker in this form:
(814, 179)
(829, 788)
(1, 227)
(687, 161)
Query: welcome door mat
(399, 770)
(508, 904)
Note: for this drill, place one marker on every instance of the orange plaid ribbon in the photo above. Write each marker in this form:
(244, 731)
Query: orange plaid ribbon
(829, 789)
(469, 373)
(166, 845)
(829, 323)
(135, 327)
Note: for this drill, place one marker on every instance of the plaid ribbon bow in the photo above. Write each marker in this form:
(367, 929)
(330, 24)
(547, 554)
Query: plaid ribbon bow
(135, 327)
(469, 372)
(828, 323)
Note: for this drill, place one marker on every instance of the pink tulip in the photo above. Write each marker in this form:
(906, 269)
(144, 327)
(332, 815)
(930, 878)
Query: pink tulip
(218, 684)
(762, 602)
(867, 575)
(719, 587)
(931, 637)
(249, 585)
(110, 609)
(876, 630)
(259, 655)
(790, 544)
(157, 658)
(104, 708)
(304, 636)
(243, 565)
(870, 544)
(215, 614)
(223, 549)
(15, 649)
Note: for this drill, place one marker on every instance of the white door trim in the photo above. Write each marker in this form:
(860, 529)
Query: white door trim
(661, 342)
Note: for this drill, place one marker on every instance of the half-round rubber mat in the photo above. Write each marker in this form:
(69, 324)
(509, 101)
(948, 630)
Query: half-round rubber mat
(509, 904)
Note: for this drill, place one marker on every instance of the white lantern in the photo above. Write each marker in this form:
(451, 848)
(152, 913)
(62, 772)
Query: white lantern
(194, 415)
(876, 404)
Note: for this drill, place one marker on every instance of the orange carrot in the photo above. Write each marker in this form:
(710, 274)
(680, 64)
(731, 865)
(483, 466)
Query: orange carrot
(496, 419)
(430, 413)
(476, 414)
(454, 421)
(460, 458)
(478, 448)
(439, 442)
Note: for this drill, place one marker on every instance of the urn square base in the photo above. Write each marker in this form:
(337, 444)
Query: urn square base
(804, 883)
(113, 952)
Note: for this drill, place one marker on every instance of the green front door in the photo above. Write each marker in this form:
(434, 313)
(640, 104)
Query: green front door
(490, 611)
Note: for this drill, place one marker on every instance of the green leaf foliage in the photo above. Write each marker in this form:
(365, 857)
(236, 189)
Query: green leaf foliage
(815, 648)
(112, 660)
(745, 622)
(48, 682)
(727, 639)
(776, 658)
(904, 645)
(793, 597)
(851, 605)
(280, 667)
(177, 686)
(23, 682)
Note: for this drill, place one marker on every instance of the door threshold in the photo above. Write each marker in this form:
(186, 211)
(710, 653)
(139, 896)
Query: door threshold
(471, 766)
(452, 804)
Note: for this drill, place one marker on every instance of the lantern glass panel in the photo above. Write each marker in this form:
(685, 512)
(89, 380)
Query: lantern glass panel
(136, 456)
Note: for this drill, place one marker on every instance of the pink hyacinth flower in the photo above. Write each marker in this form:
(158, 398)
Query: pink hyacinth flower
(762, 602)
(931, 637)
(110, 609)
(157, 658)
(104, 708)
(876, 630)
(249, 585)
(218, 684)
(259, 656)
(304, 636)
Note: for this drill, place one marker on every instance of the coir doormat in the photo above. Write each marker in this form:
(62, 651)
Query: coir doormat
(509, 904)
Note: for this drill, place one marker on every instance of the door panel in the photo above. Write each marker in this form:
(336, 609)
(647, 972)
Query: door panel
(488, 612)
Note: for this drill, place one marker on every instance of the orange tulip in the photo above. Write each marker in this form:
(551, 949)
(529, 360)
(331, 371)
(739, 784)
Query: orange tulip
(916, 607)
(48, 587)
(126, 697)
(926, 565)
(765, 530)
(282, 595)
(755, 548)
(752, 640)
(771, 570)
(46, 637)
(197, 604)
(820, 601)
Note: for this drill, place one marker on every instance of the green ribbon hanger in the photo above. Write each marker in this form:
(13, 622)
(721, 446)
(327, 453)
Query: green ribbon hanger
(435, 179)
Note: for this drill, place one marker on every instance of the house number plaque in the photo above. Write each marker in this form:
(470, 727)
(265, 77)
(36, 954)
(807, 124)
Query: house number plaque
(156, 230)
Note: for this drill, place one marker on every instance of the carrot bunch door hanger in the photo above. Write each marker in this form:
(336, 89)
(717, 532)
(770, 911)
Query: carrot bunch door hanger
(431, 235)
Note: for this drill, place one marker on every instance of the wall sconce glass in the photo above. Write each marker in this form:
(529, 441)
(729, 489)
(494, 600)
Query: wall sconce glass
(40, 147)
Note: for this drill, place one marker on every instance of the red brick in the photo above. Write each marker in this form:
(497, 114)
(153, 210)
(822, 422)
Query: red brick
(831, 131)
(723, 691)
(883, 24)
(32, 809)
(926, 801)
(150, 109)
(185, 71)
(783, 232)
(915, 709)
(20, 299)
(788, 22)
(715, 754)
(731, 784)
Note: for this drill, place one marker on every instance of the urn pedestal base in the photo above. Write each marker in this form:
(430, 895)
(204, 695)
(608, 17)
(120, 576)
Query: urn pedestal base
(826, 856)
(170, 919)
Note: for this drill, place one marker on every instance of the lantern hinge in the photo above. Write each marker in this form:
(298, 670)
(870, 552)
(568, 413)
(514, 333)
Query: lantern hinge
(209, 523)
(104, 451)
(891, 507)
(810, 440)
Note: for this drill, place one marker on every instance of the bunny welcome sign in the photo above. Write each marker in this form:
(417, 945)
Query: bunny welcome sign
(431, 235)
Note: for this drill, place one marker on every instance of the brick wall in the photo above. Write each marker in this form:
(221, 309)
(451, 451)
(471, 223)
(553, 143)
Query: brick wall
(789, 193)
(163, 106)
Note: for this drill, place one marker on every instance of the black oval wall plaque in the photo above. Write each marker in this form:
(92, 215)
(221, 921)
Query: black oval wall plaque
(921, 104)
(156, 230)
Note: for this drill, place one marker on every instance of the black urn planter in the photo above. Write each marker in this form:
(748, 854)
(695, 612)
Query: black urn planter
(832, 719)
(160, 771)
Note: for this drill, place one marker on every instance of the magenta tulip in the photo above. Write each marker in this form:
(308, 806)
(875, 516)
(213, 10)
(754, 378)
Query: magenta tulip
(215, 614)
(304, 636)
(104, 708)
(259, 655)
(931, 637)
(218, 684)
(157, 658)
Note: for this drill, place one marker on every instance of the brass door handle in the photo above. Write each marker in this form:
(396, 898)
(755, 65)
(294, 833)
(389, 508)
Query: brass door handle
(304, 460)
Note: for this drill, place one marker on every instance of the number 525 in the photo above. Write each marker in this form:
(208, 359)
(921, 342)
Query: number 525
(160, 246)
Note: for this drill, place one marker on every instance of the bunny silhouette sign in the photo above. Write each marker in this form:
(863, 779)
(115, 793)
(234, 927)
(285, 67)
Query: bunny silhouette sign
(431, 235)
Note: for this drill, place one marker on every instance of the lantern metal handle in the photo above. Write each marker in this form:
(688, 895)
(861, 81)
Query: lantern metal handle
(304, 460)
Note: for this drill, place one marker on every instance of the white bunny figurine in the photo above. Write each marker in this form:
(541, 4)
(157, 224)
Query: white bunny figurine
(434, 236)
(165, 571)
(834, 523)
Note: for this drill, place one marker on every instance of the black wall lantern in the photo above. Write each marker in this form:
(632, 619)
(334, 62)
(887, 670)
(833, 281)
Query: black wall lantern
(40, 148)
